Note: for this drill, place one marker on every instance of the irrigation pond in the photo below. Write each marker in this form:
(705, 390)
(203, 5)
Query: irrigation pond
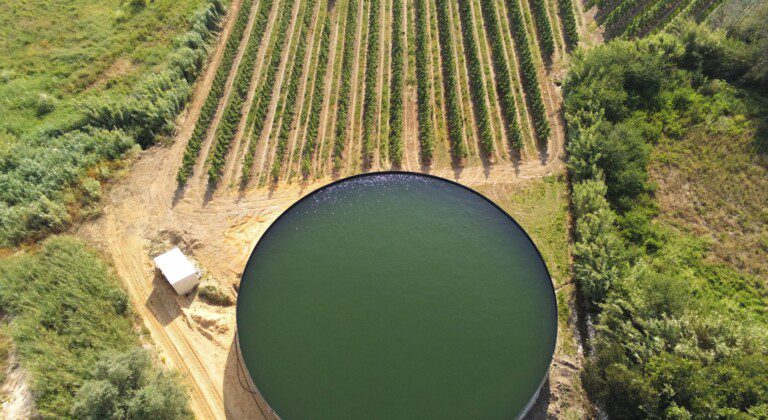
(396, 295)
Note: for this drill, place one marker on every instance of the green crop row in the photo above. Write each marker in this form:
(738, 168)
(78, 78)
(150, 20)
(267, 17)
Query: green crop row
(396, 83)
(619, 14)
(568, 18)
(650, 16)
(208, 111)
(482, 116)
(423, 85)
(450, 81)
(346, 83)
(289, 102)
(539, 10)
(261, 100)
(371, 79)
(317, 98)
(233, 110)
(528, 68)
(503, 74)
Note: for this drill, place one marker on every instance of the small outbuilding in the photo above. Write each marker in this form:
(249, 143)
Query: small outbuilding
(178, 270)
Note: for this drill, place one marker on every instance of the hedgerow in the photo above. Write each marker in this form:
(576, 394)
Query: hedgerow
(424, 83)
(450, 80)
(310, 143)
(371, 77)
(528, 68)
(233, 110)
(258, 114)
(344, 95)
(396, 89)
(208, 111)
(482, 115)
(503, 74)
(289, 102)
(675, 335)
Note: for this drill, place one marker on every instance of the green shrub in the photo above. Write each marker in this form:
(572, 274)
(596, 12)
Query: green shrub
(214, 295)
(125, 385)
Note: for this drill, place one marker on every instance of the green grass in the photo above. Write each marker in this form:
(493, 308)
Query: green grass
(541, 208)
(65, 309)
(104, 46)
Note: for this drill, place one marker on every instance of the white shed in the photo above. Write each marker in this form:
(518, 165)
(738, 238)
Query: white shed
(178, 270)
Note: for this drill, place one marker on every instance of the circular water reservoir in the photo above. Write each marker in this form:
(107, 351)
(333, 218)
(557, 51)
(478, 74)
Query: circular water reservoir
(396, 295)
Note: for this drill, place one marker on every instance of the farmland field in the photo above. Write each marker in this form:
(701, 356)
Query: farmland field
(312, 89)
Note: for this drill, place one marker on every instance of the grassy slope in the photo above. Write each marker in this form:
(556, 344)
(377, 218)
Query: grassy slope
(68, 50)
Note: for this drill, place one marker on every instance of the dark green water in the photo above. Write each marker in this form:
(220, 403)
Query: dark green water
(396, 296)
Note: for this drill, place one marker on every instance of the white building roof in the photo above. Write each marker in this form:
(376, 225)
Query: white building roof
(175, 266)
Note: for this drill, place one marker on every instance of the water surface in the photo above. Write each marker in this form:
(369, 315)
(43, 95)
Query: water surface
(396, 296)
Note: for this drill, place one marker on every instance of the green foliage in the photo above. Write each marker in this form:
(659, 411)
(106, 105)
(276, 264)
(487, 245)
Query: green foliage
(233, 110)
(675, 336)
(371, 85)
(214, 295)
(503, 75)
(450, 80)
(344, 95)
(66, 311)
(289, 102)
(475, 69)
(530, 78)
(310, 143)
(260, 106)
(544, 29)
(208, 111)
(125, 386)
(568, 19)
(396, 86)
(424, 83)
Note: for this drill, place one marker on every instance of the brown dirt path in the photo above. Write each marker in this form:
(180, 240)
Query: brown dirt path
(411, 145)
(327, 114)
(353, 142)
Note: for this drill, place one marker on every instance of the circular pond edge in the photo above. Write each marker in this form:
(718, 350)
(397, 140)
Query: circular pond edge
(254, 390)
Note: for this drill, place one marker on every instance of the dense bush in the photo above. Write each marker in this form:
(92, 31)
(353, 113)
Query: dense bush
(66, 313)
(260, 106)
(208, 111)
(310, 143)
(530, 78)
(424, 83)
(126, 386)
(289, 105)
(503, 75)
(371, 82)
(344, 95)
(475, 69)
(396, 86)
(233, 110)
(668, 342)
